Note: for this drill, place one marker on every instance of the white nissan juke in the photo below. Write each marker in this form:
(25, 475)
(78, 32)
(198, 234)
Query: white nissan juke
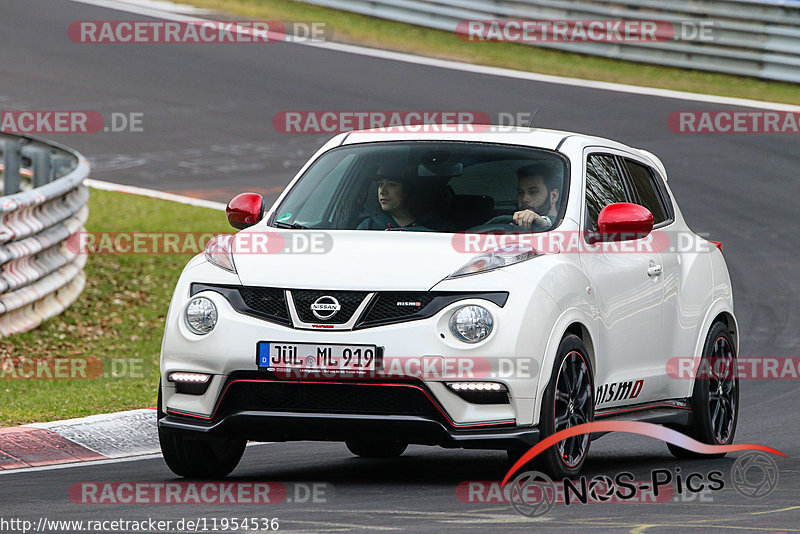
(467, 289)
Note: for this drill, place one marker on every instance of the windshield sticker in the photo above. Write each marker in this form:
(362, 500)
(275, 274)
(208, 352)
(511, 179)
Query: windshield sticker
(285, 217)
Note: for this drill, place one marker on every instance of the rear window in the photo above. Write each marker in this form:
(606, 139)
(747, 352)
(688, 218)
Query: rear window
(645, 188)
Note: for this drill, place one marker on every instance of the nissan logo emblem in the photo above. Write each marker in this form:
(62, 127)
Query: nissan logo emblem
(325, 307)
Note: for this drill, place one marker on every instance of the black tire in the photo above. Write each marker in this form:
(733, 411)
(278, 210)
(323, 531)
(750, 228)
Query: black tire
(383, 448)
(715, 400)
(568, 401)
(198, 458)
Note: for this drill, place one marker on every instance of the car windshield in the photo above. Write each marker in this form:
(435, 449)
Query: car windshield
(429, 186)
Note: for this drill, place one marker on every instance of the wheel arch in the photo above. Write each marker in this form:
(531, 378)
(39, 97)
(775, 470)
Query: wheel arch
(570, 322)
(719, 311)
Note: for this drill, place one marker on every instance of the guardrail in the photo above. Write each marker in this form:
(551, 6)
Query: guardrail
(43, 203)
(747, 37)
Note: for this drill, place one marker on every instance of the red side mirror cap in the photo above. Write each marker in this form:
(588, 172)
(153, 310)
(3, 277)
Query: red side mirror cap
(245, 210)
(624, 221)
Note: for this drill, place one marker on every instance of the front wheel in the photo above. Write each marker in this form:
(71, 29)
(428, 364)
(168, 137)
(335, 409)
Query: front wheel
(568, 401)
(198, 458)
(715, 401)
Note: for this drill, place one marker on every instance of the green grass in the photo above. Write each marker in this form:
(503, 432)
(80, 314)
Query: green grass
(378, 33)
(119, 318)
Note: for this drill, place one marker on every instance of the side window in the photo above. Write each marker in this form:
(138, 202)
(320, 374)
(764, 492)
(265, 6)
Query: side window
(645, 187)
(313, 211)
(603, 186)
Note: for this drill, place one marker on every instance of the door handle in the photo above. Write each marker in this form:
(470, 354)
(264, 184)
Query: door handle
(654, 270)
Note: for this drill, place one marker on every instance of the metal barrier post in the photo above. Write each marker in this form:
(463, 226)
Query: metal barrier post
(42, 169)
(11, 162)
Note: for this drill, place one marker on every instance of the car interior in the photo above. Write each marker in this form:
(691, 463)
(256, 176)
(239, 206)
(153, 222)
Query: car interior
(467, 188)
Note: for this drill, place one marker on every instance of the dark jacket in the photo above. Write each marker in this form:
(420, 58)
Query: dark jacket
(381, 221)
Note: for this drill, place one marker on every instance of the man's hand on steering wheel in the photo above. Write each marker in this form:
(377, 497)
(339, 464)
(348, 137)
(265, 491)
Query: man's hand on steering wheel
(530, 219)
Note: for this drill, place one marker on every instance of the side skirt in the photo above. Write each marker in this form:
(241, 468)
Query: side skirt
(672, 413)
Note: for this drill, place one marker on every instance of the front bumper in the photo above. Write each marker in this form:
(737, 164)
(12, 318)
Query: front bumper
(263, 407)
(292, 426)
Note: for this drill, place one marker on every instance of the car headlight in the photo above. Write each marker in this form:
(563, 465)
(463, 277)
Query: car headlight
(219, 251)
(201, 315)
(471, 324)
(492, 260)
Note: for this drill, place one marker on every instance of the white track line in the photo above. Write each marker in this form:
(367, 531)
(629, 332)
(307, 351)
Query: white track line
(101, 462)
(104, 417)
(152, 193)
(147, 9)
(79, 464)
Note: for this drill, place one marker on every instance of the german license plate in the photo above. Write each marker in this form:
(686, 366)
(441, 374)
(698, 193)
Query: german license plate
(273, 355)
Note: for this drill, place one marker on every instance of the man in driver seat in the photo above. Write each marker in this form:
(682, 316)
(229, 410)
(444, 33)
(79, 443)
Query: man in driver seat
(537, 198)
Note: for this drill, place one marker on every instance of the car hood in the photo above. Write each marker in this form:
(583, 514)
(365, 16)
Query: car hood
(346, 259)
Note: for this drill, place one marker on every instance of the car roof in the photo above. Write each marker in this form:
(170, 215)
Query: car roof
(512, 135)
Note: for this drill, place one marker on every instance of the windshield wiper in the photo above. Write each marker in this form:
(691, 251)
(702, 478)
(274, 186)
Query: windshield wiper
(293, 226)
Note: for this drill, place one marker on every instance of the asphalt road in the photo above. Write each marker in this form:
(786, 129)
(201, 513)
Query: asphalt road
(207, 131)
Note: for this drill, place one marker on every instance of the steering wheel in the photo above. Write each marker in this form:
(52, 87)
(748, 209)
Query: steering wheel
(501, 223)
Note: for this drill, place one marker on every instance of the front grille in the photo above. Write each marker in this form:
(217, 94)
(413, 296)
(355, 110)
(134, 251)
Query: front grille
(322, 397)
(387, 307)
(391, 306)
(348, 300)
(267, 302)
